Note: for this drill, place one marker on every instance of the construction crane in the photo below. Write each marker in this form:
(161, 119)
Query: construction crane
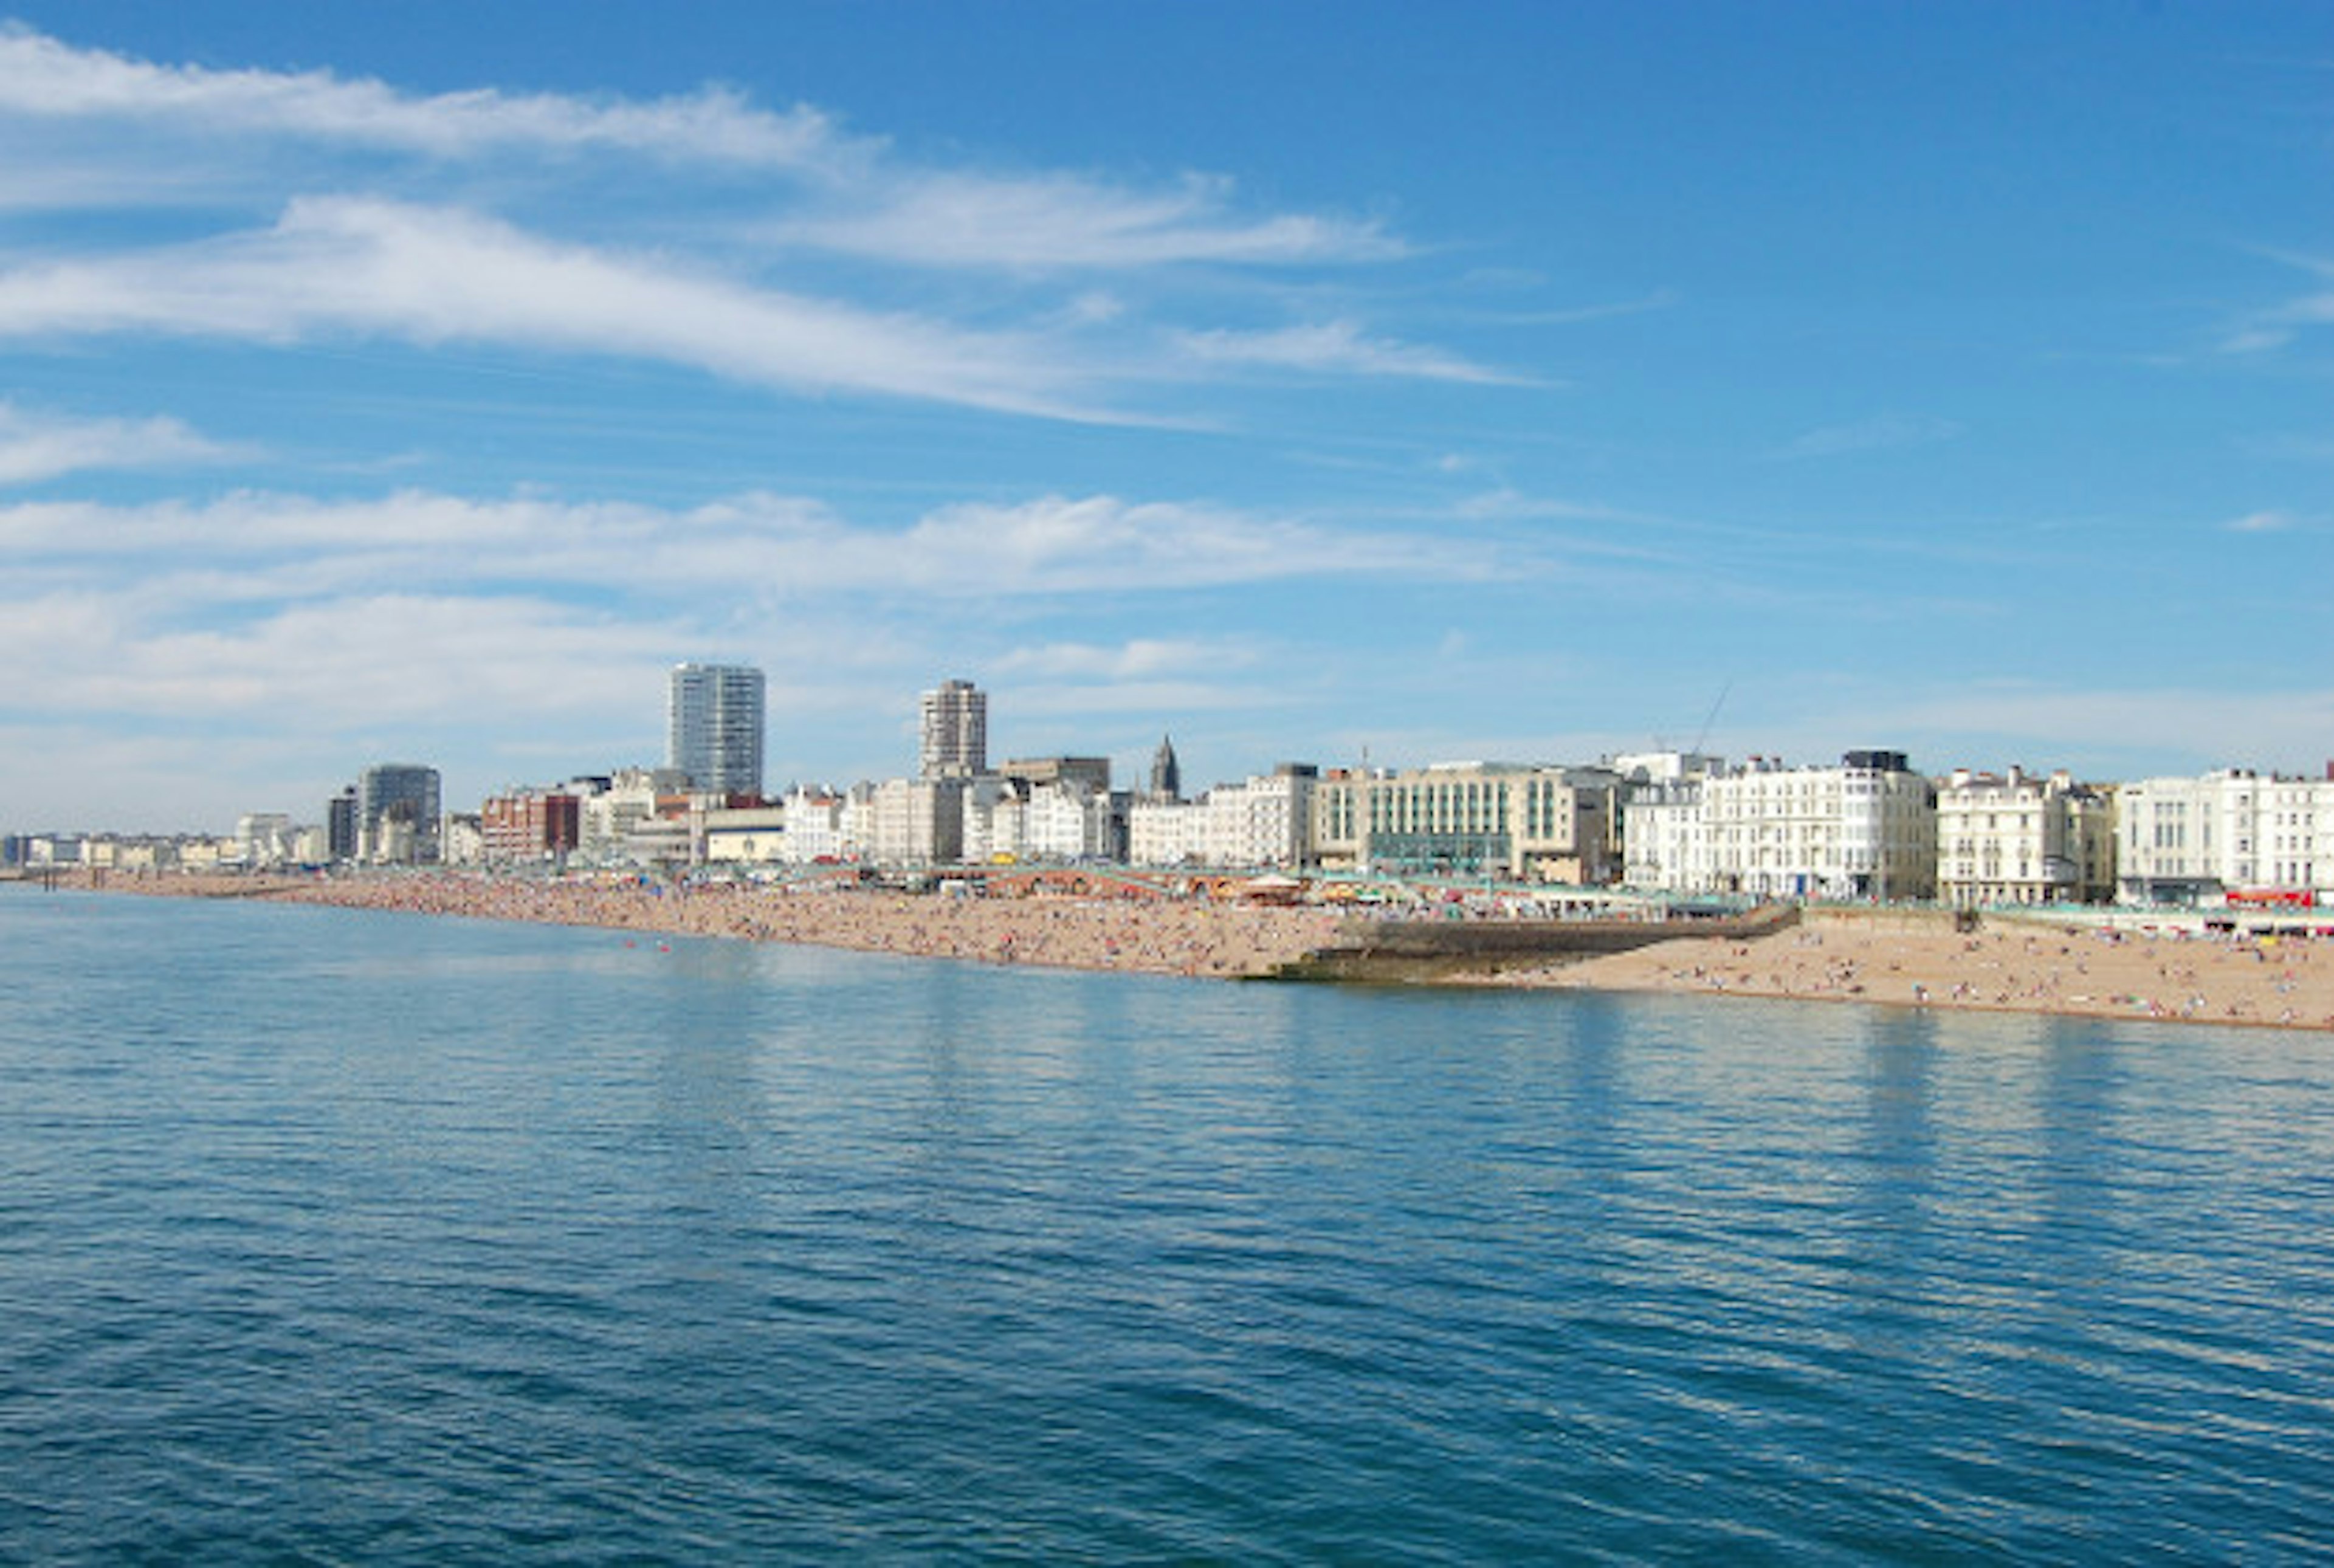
(1703, 739)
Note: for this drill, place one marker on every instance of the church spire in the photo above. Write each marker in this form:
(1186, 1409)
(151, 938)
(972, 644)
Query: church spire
(1166, 774)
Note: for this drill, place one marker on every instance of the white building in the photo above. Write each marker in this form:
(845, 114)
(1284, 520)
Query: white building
(54, 850)
(916, 821)
(814, 828)
(263, 839)
(2016, 839)
(607, 816)
(461, 841)
(1664, 845)
(1663, 767)
(1263, 822)
(1266, 820)
(2297, 835)
(2227, 835)
(1867, 829)
(1162, 832)
(1009, 818)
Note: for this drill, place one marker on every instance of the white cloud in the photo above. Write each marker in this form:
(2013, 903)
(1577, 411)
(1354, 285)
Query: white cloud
(1515, 505)
(1339, 346)
(348, 662)
(2271, 521)
(1115, 700)
(43, 77)
(873, 206)
(527, 635)
(755, 548)
(1064, 545)
(1138, 660)
(1081, 682)
(1659, 300)
(351, 265)
(127, 133)
(1874, 435)
(2274, 328)
(1063, 221)
(36, 447)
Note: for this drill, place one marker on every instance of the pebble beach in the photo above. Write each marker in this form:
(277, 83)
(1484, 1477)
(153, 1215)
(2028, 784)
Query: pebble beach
(2007, 965)
(1873, 958)
(1221, 941)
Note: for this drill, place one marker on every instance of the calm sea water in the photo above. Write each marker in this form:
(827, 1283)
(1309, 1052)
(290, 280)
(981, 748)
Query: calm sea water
(338, 1238)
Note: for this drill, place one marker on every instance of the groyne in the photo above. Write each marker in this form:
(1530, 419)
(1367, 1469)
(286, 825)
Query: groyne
(1454, 952)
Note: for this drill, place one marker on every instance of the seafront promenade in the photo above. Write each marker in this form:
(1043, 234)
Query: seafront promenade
(1921, 959)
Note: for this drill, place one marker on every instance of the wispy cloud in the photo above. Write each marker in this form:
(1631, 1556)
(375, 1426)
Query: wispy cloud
(35, 447)
(1142, 659)
(2274, 520)
(40, 76)
(1874, 435)
(1341, 346)
(422, 620)
(1511, 505)
(553, 226)
(1659, 300)
(359, 660)
(1063, 223)
(864, 199)
(2263, 330)
(340, 265)
(748, 548)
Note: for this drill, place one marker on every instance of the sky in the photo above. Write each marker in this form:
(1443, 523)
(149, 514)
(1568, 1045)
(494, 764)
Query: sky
(1330, 383)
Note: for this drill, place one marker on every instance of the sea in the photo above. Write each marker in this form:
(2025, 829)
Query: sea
(337, 1236)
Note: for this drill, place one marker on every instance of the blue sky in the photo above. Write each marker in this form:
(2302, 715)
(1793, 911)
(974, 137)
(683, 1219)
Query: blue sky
(1311, 381)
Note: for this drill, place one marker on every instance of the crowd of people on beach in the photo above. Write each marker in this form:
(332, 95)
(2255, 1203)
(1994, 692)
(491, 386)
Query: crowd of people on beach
(1157, 936)
(2006, 965)
(1872, 957)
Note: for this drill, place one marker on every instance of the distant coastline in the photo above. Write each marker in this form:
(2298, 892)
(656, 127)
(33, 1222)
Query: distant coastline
(1901, 959)
(1198, 938)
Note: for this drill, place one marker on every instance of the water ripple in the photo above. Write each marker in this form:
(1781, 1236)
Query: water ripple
(330, 1238)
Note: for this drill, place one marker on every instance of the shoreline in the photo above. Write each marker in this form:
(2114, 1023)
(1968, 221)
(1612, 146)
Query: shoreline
(2007, 964)
(1896, 958)
(1195, 940)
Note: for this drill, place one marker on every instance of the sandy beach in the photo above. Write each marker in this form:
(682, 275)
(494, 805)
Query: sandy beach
(1872, 957)
(2007, 965)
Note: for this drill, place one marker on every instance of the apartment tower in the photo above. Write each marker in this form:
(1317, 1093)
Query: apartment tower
(714, 727)
(955, 731)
